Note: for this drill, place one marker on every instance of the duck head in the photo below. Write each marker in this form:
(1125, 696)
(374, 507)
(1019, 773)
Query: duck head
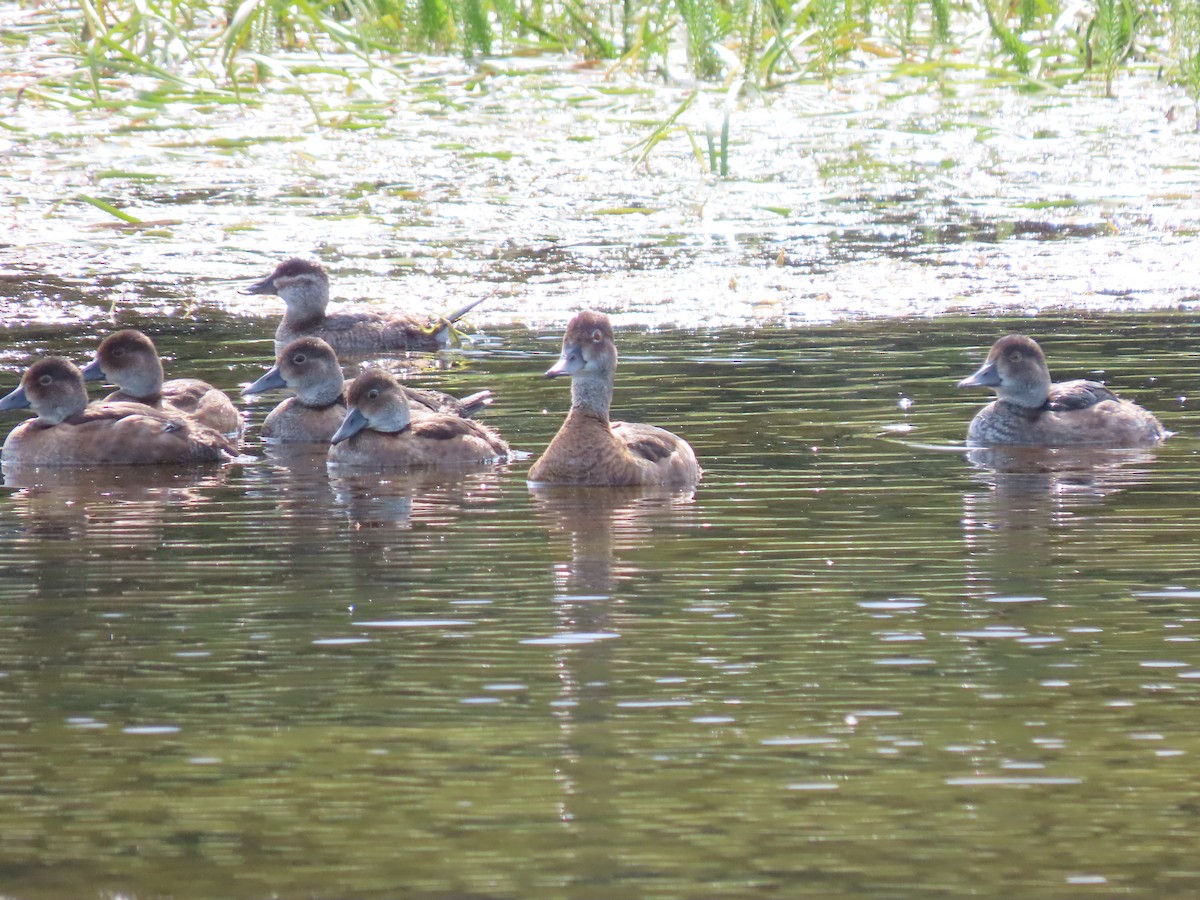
(376, 401)
(1016, 368)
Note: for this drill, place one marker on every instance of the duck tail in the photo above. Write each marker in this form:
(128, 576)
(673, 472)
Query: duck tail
(444, 330)
(473, 403)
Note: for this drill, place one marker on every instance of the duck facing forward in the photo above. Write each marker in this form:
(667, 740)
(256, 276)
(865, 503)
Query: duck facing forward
(69, 432)
(380, 430)
(309, 368)
(304, 288)
(1031, 410)
(591, 450)
(130, 360)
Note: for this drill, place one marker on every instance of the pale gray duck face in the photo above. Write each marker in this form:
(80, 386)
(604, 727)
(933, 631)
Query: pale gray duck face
(53, 387)
(309, 367)
(588, 348)
(1016, 368)
(129, 360)
(298, 282)
(376, 401)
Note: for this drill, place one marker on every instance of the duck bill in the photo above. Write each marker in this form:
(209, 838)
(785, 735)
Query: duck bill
(351, 425)
(266, 286)
(271, 381)
(987, 376)
(14, 400)
(93, 371)
(569, 363)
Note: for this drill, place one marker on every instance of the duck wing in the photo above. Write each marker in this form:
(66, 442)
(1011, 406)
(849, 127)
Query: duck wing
(1074, 395)
(646, 441)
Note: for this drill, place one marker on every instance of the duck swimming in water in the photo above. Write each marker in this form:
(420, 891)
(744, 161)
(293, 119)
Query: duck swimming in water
(69, 432)
(304, 288)
(380, 430)
(591, 450)
(309, 367)
(1031, 410)
(130, 360)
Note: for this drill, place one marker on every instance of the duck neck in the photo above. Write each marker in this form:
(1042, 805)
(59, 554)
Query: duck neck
(591, 396)
(305, 305)
(145, 386)
(57, 412)
(321, 396)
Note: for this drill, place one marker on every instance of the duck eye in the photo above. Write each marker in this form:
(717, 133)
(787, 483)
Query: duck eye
(1015, 356)
(597, 336)
(45, 380)
(372, 394)
(299, 359)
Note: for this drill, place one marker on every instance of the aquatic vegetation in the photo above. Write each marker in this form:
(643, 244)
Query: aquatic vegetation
(1186, 14)
(1110, 37)
(77, 56)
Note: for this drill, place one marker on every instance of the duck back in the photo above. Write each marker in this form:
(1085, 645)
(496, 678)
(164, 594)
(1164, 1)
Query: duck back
(115, 434)
(433, 440)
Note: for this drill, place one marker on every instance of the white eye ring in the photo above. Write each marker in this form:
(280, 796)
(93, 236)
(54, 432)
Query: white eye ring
(299, 359)
(45, 380)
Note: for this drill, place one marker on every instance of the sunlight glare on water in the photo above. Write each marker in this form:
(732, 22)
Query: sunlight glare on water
(879, 199)
(857, 661)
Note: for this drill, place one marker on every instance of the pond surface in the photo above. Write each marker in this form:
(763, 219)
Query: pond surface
(523, 181)
(852, 664)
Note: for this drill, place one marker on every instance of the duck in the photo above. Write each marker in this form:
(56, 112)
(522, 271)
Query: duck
(303, 285)
(380, 430)
(589, 449)
(67, 431)
(130, 360)
(1031, 410)
(309, 367)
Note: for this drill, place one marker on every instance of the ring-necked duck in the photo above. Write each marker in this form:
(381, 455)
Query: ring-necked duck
(130, 360)
(591, 450)
(309, 367)
(1031, 410)
(304, 288)
(380, 430)
(69, 432)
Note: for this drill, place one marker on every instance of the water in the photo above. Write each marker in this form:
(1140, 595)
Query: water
(852, 663)
(521, 181)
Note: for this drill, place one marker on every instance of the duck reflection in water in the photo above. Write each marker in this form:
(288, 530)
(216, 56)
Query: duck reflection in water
(104, 524)
(1022, 526)
(430, 498)
(601, 531)
(605, 529)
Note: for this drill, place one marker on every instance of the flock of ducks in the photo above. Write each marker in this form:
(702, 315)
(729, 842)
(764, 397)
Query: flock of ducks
(376, 421)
